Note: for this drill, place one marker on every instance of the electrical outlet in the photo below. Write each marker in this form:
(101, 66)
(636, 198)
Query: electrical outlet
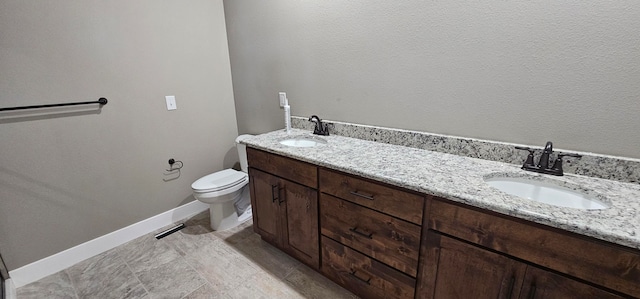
(171, 102)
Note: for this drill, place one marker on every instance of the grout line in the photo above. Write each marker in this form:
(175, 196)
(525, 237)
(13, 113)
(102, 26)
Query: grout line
(131, 269)
(196, 270)
(73, 285)
(293, 269)
(186, 261)
(194, 290)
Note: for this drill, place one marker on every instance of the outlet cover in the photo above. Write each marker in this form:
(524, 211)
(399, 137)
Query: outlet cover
(171, 102)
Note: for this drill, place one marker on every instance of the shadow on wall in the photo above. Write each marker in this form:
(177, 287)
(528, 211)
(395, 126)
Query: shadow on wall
(231, 159)
(47, 113)
(186, 200)
(33, 189)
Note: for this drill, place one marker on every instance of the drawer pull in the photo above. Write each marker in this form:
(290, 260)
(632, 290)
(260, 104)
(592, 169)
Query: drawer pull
(281, 200)
(355, 230)
(363, 195)
(274, 191)
(353, 273)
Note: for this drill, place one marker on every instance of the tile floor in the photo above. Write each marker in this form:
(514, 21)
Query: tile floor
(195, 262)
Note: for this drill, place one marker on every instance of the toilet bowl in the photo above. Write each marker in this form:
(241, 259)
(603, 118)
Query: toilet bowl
(227, 193)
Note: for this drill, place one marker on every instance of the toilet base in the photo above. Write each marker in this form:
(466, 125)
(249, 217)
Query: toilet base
(223, 216)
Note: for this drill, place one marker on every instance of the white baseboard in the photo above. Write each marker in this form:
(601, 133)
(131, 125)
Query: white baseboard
(10, 289)
(67, 258)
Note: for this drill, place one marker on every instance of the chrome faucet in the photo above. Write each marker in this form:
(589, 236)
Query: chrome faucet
(320, 128)
(543, 163)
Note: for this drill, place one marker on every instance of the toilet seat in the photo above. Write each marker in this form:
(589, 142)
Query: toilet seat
(221, 180)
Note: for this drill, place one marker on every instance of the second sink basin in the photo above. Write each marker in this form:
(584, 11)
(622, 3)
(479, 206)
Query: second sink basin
(545, 192)
(303, 141)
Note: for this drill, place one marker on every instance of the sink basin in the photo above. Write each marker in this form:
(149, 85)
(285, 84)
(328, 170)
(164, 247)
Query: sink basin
(303, 141)
(546, 192)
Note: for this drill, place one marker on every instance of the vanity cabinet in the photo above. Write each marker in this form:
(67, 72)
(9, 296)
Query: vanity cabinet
(461, 270)
(370, 235)
(284, 201)
(381, 241)
(468, 252)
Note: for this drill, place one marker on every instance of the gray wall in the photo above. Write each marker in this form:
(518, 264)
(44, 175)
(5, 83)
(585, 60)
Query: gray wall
(514, 71)
(71, 176)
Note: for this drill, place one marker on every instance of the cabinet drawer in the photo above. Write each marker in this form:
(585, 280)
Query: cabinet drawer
(293, 170)
(364, 276)
(388, 200)
(385, 238)
(604, 264)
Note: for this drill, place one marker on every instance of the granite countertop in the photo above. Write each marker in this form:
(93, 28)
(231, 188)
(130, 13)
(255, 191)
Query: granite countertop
(461, 179)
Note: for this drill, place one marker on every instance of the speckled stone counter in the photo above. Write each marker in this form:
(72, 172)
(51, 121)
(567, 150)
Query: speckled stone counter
(591, 164)
(461, 179)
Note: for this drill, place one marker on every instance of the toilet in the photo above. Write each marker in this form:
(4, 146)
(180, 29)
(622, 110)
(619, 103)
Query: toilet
(227, 193)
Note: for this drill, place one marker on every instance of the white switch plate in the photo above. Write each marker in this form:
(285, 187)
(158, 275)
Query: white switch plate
(171, 102)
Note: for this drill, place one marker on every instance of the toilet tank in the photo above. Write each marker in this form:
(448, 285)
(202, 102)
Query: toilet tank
(242, 152)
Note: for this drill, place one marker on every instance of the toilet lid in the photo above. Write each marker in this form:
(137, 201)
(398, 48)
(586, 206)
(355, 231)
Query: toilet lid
(219, 180)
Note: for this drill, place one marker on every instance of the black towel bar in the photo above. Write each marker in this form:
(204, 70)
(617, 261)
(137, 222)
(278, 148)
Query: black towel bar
(101, 101)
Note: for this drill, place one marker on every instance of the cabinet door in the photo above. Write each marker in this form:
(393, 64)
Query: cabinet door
(455, 269)
(539, 283)
(301, 238)
(265, 201)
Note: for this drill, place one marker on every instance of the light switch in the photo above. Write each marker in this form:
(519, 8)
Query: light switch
(171, 102)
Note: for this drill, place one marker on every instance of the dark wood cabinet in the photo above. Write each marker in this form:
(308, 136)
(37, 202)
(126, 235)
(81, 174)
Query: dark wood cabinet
(392, 241)
(285, 213)
(300, 212)
(265, 205)
(539, 283)
(370, 235)
(468, 253)
(374, 195)
(382, 241)
(363, 275)
(461, 270)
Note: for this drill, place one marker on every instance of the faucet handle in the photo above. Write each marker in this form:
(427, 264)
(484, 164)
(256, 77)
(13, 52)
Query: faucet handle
(526, 148)
(529, 161)
(557, 165)
(569, 155)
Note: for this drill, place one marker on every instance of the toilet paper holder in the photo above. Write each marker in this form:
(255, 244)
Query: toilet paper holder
(174, 162)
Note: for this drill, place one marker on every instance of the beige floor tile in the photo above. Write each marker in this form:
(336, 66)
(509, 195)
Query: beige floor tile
(171, 280)
(222, 266)
(189, 239)
(263, 285)
(57, 285)
(236, 234)
(204, 292)
(193, 263)
(147, 253)
(312, 284)
(264, 256)
(105, 276)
